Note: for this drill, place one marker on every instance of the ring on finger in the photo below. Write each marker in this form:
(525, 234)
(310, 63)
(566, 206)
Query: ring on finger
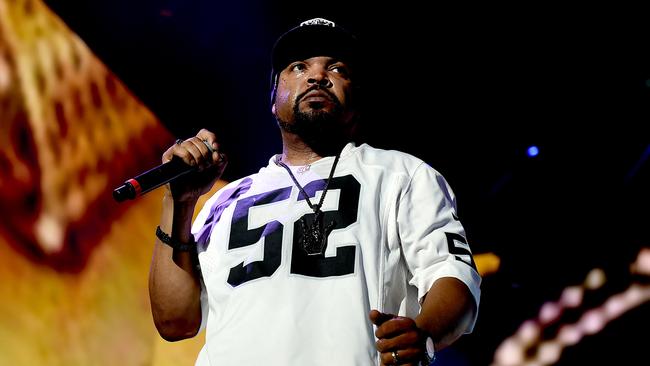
(207, 144)
(178, 141)
(395, 357)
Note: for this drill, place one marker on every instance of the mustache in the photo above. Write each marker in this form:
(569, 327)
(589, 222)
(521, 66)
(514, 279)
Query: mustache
(316, 87)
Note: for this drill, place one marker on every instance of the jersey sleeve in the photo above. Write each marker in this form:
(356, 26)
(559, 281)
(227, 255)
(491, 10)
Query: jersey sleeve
(201, 229)
(206, 219)
(432, 238)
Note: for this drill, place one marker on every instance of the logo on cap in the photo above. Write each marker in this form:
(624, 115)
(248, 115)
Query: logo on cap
(318, 21)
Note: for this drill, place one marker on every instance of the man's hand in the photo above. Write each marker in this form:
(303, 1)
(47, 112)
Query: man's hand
(194, 152)
(398, 336)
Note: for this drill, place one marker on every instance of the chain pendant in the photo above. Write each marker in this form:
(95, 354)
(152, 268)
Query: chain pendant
(314, 236)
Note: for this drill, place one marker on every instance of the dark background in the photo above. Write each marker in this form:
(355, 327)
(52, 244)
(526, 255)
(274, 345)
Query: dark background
(467, 89)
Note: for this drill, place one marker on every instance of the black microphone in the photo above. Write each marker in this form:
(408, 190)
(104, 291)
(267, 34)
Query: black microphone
(154, 178)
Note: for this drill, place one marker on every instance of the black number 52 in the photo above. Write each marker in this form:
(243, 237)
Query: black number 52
(272, 232)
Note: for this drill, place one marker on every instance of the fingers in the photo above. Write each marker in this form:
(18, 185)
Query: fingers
(397, 334)
(168, 154)
(405, 340)
(408, 347)
(211, 139)
(201, 150)
(207, 136)
(378, 318)
(409, 356)
(392, 327)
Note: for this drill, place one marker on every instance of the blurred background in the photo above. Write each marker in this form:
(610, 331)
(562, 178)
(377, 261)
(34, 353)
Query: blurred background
(536, 115)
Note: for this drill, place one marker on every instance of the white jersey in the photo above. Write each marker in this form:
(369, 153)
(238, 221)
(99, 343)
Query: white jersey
(266, 302)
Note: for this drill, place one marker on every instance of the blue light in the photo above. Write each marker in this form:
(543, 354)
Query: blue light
(532, 151)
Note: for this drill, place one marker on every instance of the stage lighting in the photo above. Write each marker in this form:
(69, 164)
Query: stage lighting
(532, 151)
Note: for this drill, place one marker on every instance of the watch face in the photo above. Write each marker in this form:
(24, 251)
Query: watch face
(431, 351)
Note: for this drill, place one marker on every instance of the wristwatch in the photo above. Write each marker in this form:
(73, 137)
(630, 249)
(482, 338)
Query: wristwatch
(430, 352)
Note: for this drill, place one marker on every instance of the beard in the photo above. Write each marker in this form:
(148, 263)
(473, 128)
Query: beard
(319, 128)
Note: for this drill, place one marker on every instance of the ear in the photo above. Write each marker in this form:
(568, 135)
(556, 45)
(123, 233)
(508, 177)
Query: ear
(273, 110)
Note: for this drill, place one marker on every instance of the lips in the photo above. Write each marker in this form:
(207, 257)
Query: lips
(316, 96)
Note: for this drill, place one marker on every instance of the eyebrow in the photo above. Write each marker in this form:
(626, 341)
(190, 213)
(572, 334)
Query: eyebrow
(330, 61)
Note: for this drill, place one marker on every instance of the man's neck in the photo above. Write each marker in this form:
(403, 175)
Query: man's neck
(298, 153)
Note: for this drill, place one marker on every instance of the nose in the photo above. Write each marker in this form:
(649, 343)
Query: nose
(320, 78)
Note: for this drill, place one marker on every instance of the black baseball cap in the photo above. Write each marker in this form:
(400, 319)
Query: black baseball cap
(314, 37)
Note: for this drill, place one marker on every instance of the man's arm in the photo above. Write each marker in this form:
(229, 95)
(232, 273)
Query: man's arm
(174, 287)
(447, 310)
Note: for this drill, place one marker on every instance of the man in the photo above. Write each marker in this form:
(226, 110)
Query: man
(306, 261)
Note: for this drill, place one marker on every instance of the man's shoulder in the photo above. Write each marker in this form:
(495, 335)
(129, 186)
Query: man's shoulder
(389, 158)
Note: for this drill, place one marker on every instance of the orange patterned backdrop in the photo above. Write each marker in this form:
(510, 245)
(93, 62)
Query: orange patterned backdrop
(73, 263)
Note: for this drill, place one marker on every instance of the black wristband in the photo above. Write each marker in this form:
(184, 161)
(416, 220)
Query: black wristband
(183, 247)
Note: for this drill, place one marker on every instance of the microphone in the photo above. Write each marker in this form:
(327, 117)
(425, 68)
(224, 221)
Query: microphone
(154, 178)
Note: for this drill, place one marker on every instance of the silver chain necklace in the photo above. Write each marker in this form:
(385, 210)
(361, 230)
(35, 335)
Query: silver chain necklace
(307, 166)
(314, 235)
